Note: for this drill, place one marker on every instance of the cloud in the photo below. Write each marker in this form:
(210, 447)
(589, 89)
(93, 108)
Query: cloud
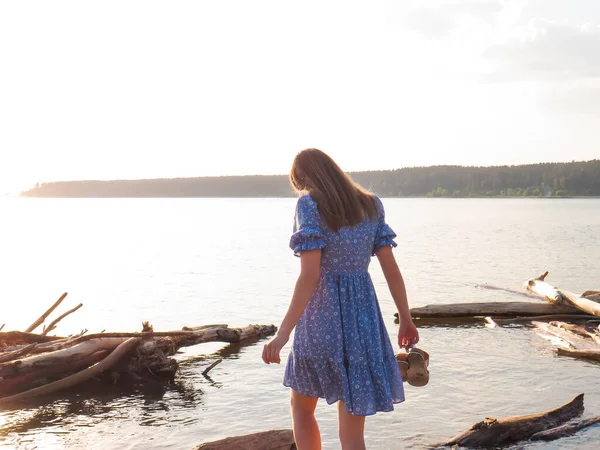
(547, 51)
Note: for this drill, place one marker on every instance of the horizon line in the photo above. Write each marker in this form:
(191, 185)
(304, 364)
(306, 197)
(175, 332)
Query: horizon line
(285, 174)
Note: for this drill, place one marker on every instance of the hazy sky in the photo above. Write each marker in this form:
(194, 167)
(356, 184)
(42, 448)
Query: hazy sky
(144, 89)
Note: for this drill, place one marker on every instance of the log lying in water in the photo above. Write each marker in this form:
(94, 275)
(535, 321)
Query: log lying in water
(552, 294)
(50, 361)
(574, 340)
(492, 432)
(581, 343)
(564, 430)
(491, 309)
(583, 303)
(581, 354)
(267, 440)
(513, 320)
(77, 378)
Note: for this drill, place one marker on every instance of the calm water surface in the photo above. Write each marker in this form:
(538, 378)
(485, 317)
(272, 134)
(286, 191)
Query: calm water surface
(178, 262)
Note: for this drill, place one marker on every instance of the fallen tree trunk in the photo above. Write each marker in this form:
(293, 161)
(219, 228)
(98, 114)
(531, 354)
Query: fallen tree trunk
(37, 363)
(267, 440)
(77, 378)
(10, 386)
(554, 295)
(583, 303)
(512, 429)
(21, 374)
(581, 354)
(24, 350)
(564, 430)
(491, 309)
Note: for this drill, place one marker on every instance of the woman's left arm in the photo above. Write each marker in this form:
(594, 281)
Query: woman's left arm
(310, 267)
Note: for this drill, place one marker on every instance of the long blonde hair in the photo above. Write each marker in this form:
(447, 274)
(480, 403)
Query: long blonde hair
(340, 201)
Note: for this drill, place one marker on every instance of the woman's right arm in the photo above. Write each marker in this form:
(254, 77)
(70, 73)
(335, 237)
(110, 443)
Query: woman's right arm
(407, 334)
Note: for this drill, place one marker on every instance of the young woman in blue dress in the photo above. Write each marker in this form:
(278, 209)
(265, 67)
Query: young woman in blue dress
(341, 350)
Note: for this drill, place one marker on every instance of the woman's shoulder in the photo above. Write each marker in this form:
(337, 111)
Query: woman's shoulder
(378, 205)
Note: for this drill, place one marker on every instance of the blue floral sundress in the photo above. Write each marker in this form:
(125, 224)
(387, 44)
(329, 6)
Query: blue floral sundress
(341, 348)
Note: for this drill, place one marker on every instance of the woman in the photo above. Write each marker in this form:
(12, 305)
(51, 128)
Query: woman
(341, 349)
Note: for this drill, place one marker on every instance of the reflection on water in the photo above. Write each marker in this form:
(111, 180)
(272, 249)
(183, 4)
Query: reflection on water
(97, 402)
(100, 402)
(179, 262)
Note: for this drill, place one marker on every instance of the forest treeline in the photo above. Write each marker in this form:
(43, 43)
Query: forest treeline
(544, 179)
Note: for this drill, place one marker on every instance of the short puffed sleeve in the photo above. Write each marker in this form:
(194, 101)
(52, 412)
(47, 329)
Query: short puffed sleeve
(384, 236)
(308, 233)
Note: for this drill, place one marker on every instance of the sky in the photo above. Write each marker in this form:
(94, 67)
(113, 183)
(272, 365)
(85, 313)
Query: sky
(160, 89)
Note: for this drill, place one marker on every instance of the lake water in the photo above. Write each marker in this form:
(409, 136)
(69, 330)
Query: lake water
(178, 262)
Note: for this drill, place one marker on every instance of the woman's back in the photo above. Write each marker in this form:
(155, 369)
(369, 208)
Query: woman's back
(347, 250)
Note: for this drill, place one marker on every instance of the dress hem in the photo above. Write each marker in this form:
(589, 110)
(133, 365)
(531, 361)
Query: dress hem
(337, 399)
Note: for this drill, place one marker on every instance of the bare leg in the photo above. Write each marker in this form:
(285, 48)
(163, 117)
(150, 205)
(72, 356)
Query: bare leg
(306, 430)
(351, 429)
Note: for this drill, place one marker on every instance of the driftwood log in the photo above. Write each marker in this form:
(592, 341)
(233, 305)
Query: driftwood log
(492, 432)
(492, 309)
(465, 313)
(581, 354)
(578, 342)
(77, 378)
(564, 430)
(574, 340)
(539, 286)
(266, 440)
(514, 320)
(33, 365)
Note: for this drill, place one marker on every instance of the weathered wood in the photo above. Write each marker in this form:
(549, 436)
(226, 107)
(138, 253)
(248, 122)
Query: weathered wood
(579, 330)
(212, 366)
(510, 320)
(564, 430)
(77, 378)
(52, 324)
(583, 303)
(571, 338)
(41, 319)
(591, 295)
(447, 321)
(20, 337)
(538, 286)
(32, 379)
(58, 358)
(24, 350)
(491, 309)
(267, 440)
(555, 295)
(512, 429)
(61, 356)
(581, 354)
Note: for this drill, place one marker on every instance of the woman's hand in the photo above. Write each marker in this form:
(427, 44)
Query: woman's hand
(273, 347)
(407, 334)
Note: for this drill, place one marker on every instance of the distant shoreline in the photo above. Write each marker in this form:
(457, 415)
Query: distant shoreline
(577, 179)
(497, 197)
